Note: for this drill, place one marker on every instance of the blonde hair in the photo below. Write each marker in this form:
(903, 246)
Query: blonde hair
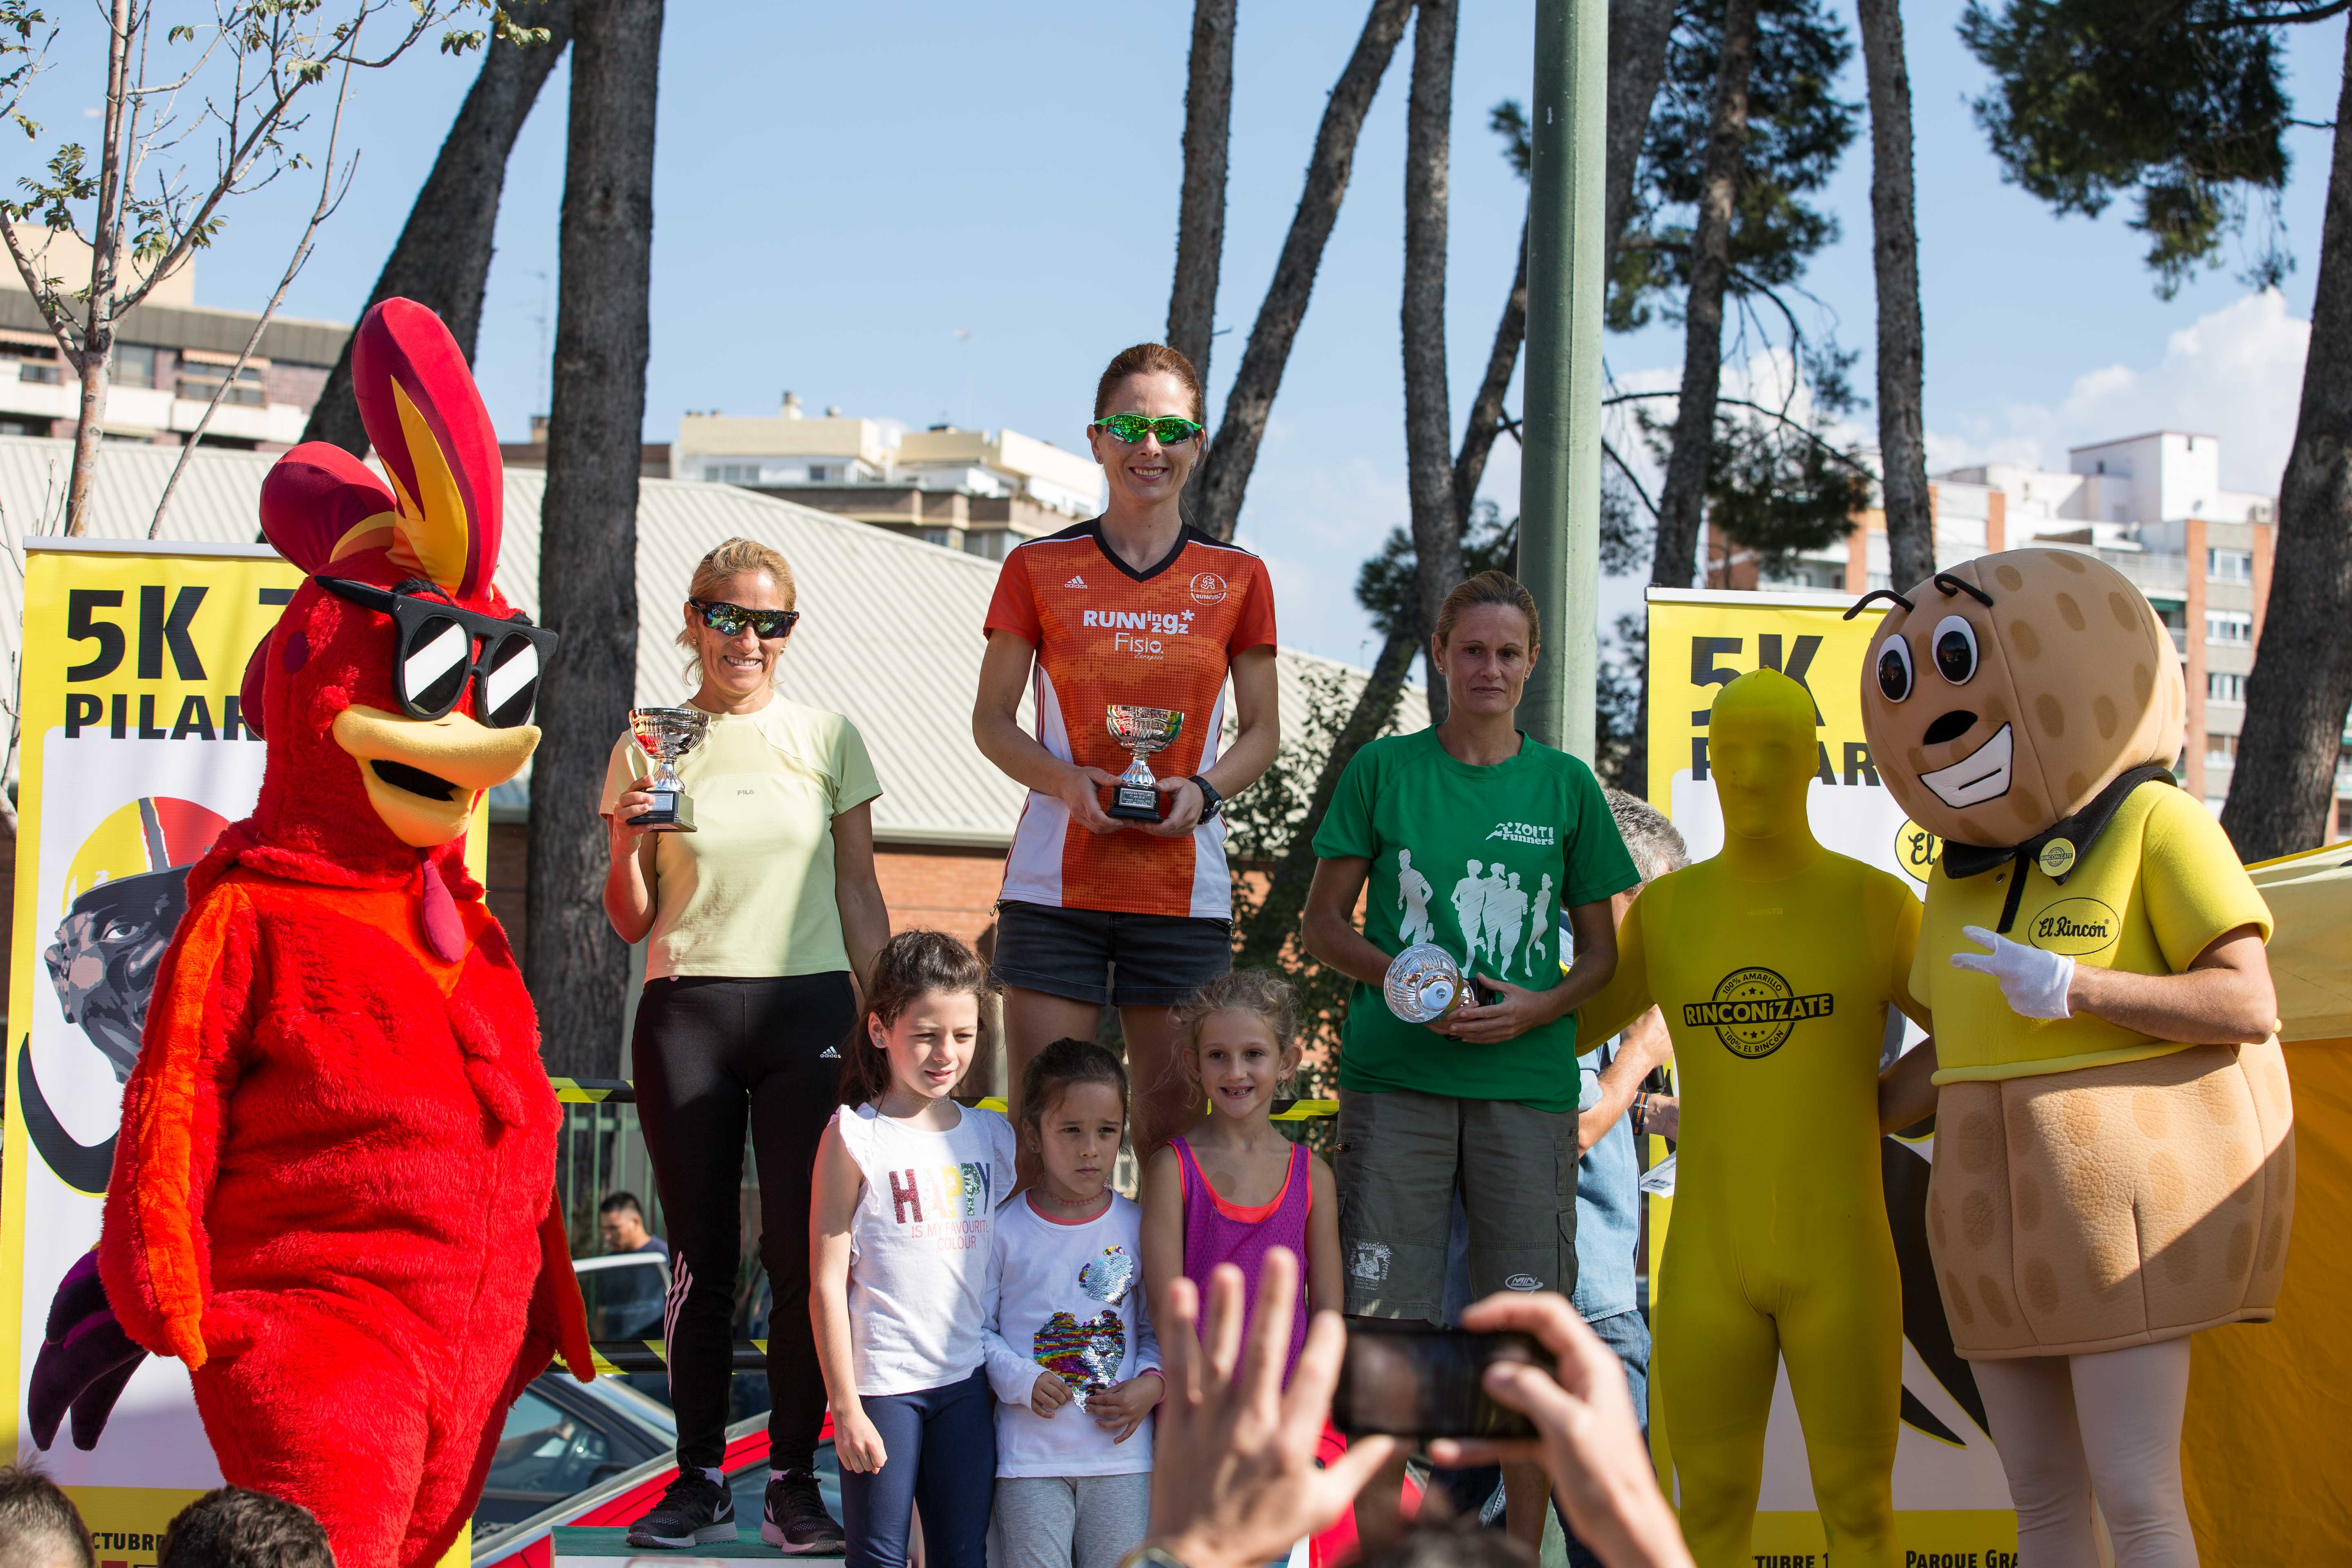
(1487, 588)
(1266, 996)
(735, 558)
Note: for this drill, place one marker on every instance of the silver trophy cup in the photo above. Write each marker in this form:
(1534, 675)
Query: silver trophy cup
(1142, 731)
(665, 735)
(1424, 983)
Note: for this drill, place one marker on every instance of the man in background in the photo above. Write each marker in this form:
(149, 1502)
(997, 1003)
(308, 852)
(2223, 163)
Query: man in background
(622, 1221)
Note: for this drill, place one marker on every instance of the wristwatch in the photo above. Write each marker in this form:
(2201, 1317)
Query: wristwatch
(1211, 803)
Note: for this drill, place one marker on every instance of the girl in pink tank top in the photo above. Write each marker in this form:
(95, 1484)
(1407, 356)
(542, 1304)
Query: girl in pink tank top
(1234, 1186)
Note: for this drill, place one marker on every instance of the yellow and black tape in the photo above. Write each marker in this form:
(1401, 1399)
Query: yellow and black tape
(614, 1357)
(621, 1091)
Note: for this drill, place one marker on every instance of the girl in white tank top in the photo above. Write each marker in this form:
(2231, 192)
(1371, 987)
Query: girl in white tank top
(907, 1186)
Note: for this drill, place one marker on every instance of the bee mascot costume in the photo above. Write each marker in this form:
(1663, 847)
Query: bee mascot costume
(1776, 963)
(2115, 1159)
(333, 1196)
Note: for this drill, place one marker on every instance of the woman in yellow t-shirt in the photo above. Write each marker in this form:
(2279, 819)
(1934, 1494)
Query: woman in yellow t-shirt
(755, 926)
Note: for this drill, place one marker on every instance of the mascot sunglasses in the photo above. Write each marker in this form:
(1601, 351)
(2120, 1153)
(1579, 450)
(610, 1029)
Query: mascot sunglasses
(443, 647)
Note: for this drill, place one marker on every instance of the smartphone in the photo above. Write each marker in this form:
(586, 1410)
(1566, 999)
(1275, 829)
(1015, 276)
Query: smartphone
(1411, 1379)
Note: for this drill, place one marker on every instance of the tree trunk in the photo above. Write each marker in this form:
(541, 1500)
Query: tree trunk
(2296, 701)
(1638, 32)
(1275, 919)
(576, 967)
(1200, 212)
(1683, 499)
(1487, 408)
(97, 350)
(1894, 232)
(1428, 417)
(1226, 472)
(441, 259)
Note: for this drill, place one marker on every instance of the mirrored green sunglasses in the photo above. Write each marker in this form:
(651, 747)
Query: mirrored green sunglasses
(1132, 428)
(728, 620)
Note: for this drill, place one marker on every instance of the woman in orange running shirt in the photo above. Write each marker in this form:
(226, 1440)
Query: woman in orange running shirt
(1133, 607)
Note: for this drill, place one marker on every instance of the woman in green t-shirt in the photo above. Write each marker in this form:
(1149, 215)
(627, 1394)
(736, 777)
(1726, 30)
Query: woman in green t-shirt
(755, 925)
(1468, 834)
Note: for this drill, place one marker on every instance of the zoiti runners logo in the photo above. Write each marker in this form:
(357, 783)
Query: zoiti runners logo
(1754, 1011)
(1208, 588)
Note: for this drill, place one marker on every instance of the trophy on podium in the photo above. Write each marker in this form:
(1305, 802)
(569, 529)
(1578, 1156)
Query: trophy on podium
(1142, 731)
(665, 735)
(1424, 983)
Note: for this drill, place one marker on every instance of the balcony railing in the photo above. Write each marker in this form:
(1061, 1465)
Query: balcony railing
(2152, 574)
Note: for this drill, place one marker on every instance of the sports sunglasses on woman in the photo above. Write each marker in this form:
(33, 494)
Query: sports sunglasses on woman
(442, 646)
(1132, 428)
(728, 620)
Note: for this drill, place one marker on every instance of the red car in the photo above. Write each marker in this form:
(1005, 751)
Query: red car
(625, 1499)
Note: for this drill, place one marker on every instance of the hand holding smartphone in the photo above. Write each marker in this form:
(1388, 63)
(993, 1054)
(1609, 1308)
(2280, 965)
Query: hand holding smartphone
(1410, 1379)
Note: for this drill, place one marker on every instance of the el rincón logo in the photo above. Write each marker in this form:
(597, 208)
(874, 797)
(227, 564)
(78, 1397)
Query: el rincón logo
(1754, 1011)
(2075, 927)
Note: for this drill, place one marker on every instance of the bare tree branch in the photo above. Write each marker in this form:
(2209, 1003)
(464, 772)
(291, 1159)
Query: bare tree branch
(330, 198)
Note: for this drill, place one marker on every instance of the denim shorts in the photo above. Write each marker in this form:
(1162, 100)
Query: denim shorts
(1104, 955)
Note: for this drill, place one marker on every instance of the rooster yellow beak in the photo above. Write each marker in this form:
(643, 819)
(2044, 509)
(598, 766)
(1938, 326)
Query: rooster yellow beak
(423, 774)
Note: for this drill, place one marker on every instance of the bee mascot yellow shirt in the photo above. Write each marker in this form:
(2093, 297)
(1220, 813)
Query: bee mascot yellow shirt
(1775, 964)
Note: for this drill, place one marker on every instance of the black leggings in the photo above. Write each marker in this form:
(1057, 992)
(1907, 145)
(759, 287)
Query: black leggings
(708, 1053)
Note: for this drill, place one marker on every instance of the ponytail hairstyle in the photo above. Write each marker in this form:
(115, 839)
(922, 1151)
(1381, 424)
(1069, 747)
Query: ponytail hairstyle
(1258, 992)
(1064, 1063)
(911, 966)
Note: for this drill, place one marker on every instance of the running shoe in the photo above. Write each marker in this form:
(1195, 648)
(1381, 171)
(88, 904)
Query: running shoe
(795, 1517)
(695, 1511)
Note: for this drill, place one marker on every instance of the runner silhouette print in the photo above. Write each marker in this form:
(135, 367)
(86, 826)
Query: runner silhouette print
(1470, 914)
(1414, 894)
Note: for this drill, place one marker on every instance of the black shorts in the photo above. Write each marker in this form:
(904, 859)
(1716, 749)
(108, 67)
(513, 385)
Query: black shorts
(1102, 955)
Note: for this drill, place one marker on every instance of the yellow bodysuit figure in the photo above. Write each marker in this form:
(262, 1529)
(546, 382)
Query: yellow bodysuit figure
(1774, 963)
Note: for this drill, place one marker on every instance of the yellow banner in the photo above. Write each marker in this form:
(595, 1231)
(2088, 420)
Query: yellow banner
(135, 754)
(1951, 1499)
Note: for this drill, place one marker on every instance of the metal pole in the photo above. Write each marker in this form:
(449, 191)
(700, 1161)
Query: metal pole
(1560, 476)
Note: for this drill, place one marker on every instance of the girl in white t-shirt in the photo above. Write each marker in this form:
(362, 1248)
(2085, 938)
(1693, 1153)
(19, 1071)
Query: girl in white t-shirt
(907, 1185)
(1070, 1349)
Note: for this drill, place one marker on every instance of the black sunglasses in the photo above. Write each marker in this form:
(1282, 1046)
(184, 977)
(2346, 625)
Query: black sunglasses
(728, 620)
(442, 646)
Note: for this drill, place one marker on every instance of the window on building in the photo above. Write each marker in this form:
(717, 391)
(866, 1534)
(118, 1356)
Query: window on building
(199, 379)
(2220, 751)
(732, 473)
(134, 364)
(2229, 566)
(2236, 626)
(941, 536)
(2224, 688)
(819, 473)
(35, 360)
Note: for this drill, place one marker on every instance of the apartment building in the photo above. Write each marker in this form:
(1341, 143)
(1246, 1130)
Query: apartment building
(2153, 507)
(171, 355)
(976, 491)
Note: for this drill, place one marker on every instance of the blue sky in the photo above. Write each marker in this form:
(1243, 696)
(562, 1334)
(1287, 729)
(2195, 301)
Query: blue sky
(839, 189)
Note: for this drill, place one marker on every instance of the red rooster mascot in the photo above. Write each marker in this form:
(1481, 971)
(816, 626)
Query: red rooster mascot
(333, 1194)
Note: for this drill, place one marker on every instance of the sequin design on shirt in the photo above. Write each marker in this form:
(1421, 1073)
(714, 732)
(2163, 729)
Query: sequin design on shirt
(1087, 1355)
(1111, 1277)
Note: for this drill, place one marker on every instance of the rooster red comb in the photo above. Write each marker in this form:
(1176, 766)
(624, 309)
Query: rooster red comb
(440, 518)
